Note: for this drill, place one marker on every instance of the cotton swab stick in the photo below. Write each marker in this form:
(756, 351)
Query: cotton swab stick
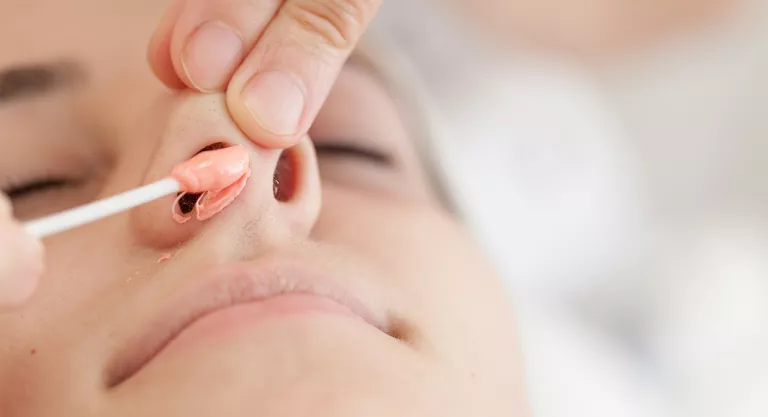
(209, 170)
(78, 216)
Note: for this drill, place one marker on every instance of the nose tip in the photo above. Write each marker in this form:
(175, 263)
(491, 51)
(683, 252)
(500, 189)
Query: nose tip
(241, 176)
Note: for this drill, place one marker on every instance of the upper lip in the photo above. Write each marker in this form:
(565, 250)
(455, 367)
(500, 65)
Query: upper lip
(230, 286)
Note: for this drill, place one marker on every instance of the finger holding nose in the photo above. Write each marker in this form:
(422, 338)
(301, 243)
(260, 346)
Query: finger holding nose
(277, 60)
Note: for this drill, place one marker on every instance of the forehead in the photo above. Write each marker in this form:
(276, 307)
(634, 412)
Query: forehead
(99, 31)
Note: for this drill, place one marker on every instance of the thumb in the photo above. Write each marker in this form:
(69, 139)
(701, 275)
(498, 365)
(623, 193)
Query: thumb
(278, 90)
(21, 260)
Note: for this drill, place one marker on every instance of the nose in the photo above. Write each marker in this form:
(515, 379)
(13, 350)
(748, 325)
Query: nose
(280, 200)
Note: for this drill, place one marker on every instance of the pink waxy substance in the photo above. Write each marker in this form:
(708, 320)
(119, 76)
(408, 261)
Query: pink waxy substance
(218, 175)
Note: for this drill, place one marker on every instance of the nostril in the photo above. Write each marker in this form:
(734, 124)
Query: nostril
(284, 179)
(187, 202)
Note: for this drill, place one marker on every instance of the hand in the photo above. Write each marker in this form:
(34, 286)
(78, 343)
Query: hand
(21, 260)
(276, 59)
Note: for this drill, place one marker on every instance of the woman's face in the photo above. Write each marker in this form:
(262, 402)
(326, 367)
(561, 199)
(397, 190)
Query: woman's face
(388, 308)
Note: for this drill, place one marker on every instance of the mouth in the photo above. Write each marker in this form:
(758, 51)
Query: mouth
(256, 293)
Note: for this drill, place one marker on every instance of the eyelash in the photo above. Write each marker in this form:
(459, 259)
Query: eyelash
(19, 189)
(339, 149)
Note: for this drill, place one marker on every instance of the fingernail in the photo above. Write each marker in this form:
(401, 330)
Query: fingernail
(20, 265)
(211, 55)
(276, 101)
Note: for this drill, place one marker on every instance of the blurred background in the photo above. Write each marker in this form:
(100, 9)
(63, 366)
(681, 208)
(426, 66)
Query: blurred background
(612, 156)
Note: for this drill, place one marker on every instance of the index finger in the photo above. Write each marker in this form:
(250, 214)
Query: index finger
(278, 90)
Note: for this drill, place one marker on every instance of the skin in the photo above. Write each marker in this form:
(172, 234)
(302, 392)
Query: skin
(370, 223)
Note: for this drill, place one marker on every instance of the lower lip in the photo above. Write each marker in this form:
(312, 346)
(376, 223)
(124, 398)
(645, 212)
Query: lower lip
(219, 324)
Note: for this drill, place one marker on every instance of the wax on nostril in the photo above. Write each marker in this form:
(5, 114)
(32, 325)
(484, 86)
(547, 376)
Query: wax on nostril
(212, 170)
(219, 175)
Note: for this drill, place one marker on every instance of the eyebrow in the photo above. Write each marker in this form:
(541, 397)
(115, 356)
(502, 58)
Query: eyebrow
(25, 81)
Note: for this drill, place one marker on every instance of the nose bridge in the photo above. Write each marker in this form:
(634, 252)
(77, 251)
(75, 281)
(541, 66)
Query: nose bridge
(199, 121)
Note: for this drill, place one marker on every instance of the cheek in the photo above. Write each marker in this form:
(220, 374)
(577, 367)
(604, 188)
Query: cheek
(82, 268)
(457, 303)
(88, 270)
(463, 311)
(56, 336)
(421, 247)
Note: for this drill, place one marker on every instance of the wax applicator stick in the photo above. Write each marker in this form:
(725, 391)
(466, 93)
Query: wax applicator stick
(78, 216)
(225, 170)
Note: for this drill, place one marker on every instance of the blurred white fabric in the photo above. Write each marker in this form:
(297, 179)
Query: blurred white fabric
(628, 212)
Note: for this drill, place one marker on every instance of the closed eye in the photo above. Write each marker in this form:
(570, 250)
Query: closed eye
(36, 186)
(346, 149)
